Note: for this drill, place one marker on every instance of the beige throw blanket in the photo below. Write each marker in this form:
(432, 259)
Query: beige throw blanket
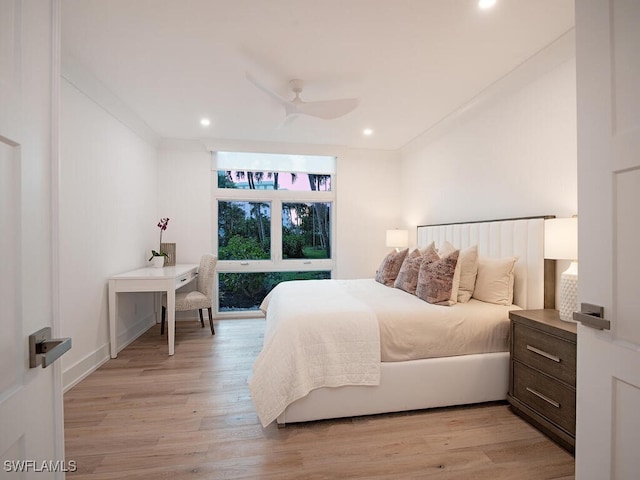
(318, 334)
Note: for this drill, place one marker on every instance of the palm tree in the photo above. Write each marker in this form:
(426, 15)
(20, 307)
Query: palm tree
(256, 212)
(250, 176)
(317, 181)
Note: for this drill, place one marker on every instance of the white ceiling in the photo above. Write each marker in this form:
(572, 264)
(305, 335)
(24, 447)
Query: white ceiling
(409, 62)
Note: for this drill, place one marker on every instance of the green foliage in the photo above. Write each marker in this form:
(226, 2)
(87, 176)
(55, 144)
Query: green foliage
(293, 245)
(274, 278)
(244, 219)
(242, 248)
(241, 291)
(244, 233)
(157, 254)
(243, 288)
(311, 222)
(231, 222)
(315, 253)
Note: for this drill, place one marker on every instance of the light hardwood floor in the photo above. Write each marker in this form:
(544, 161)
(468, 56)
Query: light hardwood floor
(146, 415)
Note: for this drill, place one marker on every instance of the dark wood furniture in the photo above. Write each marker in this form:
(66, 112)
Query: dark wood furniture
(542, 373)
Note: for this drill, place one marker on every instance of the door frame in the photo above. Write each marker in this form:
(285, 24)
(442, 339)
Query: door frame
(56, 320)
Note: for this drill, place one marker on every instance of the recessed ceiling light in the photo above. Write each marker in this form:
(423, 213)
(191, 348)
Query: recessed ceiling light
(484, 4)
(205, 122)
(367, 132)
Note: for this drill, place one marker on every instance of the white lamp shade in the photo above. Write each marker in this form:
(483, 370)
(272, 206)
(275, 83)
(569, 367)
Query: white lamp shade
(397, 238)
(561, 238)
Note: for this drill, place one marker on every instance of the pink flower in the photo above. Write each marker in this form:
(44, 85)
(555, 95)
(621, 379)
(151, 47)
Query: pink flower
(162, 225)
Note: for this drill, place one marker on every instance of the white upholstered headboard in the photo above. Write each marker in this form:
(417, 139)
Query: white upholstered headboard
(521, 237)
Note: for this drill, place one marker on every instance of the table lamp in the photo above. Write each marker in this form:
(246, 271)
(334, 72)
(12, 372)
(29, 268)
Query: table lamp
(561, 243)
(398, 239)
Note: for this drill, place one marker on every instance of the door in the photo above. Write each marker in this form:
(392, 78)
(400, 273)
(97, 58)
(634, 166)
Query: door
(608, 385)
(31, 432)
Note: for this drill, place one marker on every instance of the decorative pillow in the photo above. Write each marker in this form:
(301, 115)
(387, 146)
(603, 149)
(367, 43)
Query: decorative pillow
(437, 277)
(407, 279)
(390, 266)
(494, 283)
(468, 262)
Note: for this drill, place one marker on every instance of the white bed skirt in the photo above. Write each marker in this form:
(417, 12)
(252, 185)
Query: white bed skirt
(413, 385)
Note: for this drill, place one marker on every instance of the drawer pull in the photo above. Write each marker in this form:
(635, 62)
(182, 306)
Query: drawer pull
(543, 353)
(543, 397)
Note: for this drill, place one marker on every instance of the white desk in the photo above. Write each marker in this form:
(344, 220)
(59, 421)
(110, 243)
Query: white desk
(166, 279)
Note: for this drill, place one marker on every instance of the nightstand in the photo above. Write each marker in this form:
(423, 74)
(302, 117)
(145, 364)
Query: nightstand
(542, 373)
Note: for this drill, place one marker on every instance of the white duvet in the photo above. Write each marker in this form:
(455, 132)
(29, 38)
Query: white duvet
(330, 333)
(318, 334)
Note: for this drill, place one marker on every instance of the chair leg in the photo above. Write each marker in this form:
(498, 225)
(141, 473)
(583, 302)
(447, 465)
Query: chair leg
(201, 319)
(164, 314)
(213, 332)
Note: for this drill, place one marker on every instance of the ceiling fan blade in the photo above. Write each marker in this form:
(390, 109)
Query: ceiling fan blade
(282, 101)
(288, 120)
(328, 109)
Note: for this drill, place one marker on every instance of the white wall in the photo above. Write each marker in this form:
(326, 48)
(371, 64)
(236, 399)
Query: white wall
(367, 202)
(511, 155)
(108, 216)
(184, 177)
(368, 205)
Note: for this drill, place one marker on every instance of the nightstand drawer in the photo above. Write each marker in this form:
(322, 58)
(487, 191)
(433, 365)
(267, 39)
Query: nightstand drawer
(550, 398)
(551, 355)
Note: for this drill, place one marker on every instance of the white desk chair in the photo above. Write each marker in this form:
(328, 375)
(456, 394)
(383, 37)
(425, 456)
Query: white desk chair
(200, 298)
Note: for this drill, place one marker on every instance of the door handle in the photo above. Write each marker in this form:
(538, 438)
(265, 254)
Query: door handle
(45, 350)
(592, 316)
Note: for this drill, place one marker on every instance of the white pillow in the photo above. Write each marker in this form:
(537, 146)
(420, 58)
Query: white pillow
(494, 283)
(468, 269)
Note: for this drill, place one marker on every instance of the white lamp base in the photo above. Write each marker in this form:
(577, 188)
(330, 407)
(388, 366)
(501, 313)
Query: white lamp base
(569, 293)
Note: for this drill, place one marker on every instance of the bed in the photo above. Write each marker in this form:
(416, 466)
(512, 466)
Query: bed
(327, 352)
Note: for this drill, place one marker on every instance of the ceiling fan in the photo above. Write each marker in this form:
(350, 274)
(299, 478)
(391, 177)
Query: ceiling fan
(327, 109)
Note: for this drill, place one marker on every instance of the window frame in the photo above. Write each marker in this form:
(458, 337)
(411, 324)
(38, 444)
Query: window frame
(276, 263)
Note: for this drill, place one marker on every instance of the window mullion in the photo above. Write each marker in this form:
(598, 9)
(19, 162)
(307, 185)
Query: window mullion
(276, 232)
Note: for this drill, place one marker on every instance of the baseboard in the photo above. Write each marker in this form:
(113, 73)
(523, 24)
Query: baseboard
(91, 362)
(83, 368)
(137, 329)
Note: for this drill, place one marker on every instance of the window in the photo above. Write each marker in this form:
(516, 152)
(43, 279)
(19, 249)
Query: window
(244, 230)
(239, 292)
(273, 222)
(306, 230)
(247, 180)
